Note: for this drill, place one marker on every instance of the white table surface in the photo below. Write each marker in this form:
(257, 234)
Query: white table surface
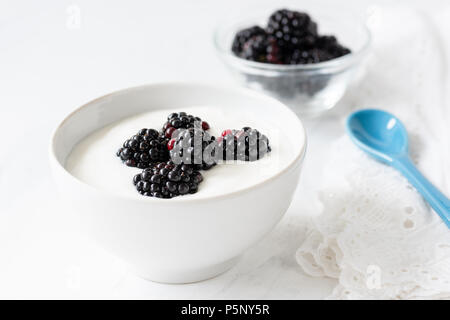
(49, 65)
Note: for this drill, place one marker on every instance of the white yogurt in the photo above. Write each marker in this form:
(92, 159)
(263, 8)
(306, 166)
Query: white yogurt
(94, 159)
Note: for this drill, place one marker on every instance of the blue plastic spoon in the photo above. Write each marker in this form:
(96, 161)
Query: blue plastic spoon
(384, 137)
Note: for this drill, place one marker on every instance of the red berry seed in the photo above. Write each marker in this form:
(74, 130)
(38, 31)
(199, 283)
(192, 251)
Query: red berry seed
(169, 132)
(226, 132)
(170, 144)
(205, 125)
(167, 125)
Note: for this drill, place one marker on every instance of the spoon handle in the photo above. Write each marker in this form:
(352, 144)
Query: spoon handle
(437, 200)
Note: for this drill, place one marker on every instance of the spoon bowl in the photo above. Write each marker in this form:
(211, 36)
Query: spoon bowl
(379, 133)
(385, 138)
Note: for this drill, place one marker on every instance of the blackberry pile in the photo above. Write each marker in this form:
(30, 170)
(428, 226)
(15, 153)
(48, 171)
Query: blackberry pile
(146, 147)
(193, 146)
(246, 144)
(290, 37)
(167, 180)
(182, 120)
(171, 167)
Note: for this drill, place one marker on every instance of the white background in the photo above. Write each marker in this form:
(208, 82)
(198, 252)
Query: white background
(49, 65)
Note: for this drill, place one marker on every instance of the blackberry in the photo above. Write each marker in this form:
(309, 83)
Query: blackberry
(243, 36)
(299, 56)
(246, 144)
(193, 146)
(261, 48)
(292, 29)
(167, 180)
(143, 149)
(181, 120)
(330, 45)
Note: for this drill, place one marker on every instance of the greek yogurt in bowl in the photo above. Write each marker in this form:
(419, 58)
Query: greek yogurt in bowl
(93, 159)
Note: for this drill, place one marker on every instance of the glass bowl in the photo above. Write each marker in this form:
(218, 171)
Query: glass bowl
(308, 89)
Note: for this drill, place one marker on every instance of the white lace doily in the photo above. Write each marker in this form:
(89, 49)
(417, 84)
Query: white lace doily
(375, 233)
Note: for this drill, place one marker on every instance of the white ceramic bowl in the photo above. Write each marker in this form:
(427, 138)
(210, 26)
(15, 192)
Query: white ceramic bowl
(184, 239)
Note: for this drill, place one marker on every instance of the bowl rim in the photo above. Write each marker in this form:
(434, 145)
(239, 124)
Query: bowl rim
(297, 160)
(342, 61)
